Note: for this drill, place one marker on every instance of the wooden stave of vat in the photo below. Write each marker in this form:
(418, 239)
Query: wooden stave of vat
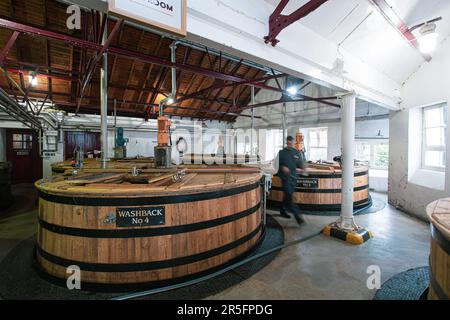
(325, 195)
(6, 198)
(237, 207)
(439, 215)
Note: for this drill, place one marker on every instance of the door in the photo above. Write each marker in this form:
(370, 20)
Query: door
(89, 141)
(22, 150)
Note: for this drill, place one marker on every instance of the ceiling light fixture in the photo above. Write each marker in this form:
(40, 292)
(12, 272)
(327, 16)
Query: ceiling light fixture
(292, 91)
(32, 79)
(428, 38)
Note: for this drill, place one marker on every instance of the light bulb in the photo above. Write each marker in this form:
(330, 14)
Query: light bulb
(428, 42)
(428, 38)
(292, 91)
(33, 80)
(170, 101)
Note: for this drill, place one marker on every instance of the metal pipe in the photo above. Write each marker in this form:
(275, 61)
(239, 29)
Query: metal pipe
(104, 101)
(173, 94)
(348, 156)
(115, 122)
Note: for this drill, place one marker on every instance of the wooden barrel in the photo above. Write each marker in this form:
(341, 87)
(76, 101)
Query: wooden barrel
(126, 236)
(321, 189)
(5, 185)
(439, 214)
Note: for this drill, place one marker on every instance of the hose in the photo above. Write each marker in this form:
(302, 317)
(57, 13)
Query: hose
(217, 273)
(222, 271)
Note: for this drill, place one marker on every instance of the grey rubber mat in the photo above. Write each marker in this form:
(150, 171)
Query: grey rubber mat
(408, 285)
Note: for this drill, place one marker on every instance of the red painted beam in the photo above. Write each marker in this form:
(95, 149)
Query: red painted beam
(393, 18)
(300, 99)
(99, 55)
(199, 93)
(126, 53)
(42, 74)
(8, 46)
(278, 22)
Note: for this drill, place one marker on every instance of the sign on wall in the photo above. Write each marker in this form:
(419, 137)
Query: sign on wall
(168, 15)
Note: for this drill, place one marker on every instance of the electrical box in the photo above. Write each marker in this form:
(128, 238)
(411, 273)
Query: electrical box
(163, 156)
(50, 141)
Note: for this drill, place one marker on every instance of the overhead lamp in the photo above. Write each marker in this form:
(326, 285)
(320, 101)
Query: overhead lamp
(170, 101)
(32, 79)
(292, 90)
(293, 85)
(428, 38)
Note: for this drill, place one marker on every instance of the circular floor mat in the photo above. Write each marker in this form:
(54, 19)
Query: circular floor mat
(377, 205)
(19, 280)
(408, 285)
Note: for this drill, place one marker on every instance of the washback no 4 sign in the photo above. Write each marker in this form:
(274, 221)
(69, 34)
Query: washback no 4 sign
(166, 15)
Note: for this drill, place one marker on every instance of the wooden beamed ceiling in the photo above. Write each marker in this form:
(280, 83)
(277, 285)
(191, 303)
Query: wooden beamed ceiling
(136, 85)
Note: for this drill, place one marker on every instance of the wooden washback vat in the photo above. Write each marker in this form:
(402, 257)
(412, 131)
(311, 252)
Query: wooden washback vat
(127, 232)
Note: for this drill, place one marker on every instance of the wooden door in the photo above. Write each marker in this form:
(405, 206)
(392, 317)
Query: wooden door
(89, 141)
(23, 153)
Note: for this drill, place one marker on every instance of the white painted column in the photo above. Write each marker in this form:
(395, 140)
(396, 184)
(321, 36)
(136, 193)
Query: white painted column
(348, 156)
(104, 102)
(284, 124)
(253, 120)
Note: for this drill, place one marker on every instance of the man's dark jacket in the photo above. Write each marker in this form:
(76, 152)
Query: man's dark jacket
(292, 159)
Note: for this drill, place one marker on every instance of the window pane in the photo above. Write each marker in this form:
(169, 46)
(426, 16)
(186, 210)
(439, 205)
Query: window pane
(435, 137)
(435, 159)
(381, 157)
(434, 117)
(17, 137)
(318, 154)
(363, 152)
(17, 145)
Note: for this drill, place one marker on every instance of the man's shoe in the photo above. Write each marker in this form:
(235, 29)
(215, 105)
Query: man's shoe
(285, 215)
(299, 219)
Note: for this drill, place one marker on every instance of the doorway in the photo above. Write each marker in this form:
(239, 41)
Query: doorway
(22, 150)
(88, 141)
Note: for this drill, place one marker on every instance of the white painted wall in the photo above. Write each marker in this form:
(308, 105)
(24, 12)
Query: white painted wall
(429, 85)
(142, 136)
(239, 27)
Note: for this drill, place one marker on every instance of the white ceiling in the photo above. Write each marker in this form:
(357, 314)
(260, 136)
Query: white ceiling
(362, 31)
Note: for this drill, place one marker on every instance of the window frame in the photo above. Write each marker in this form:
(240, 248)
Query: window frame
(309, 147)
(424, 147)
(373, 143)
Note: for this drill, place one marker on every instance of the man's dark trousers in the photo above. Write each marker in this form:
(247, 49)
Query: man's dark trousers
(289, 186)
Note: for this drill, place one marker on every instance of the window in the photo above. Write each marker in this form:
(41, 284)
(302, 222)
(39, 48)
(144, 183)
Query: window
(274, 143)
(22, 141)
(375, 153)
(317, 148)
(434, 137)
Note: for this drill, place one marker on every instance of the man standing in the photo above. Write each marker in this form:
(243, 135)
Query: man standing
(289, 160)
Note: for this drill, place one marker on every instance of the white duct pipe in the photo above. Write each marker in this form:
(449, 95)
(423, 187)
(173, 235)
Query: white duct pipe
(104, 102)
(348, 156)
(253, 120)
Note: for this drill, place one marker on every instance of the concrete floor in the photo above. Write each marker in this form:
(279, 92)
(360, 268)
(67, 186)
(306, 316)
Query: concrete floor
(326, 268)
(321, 268)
